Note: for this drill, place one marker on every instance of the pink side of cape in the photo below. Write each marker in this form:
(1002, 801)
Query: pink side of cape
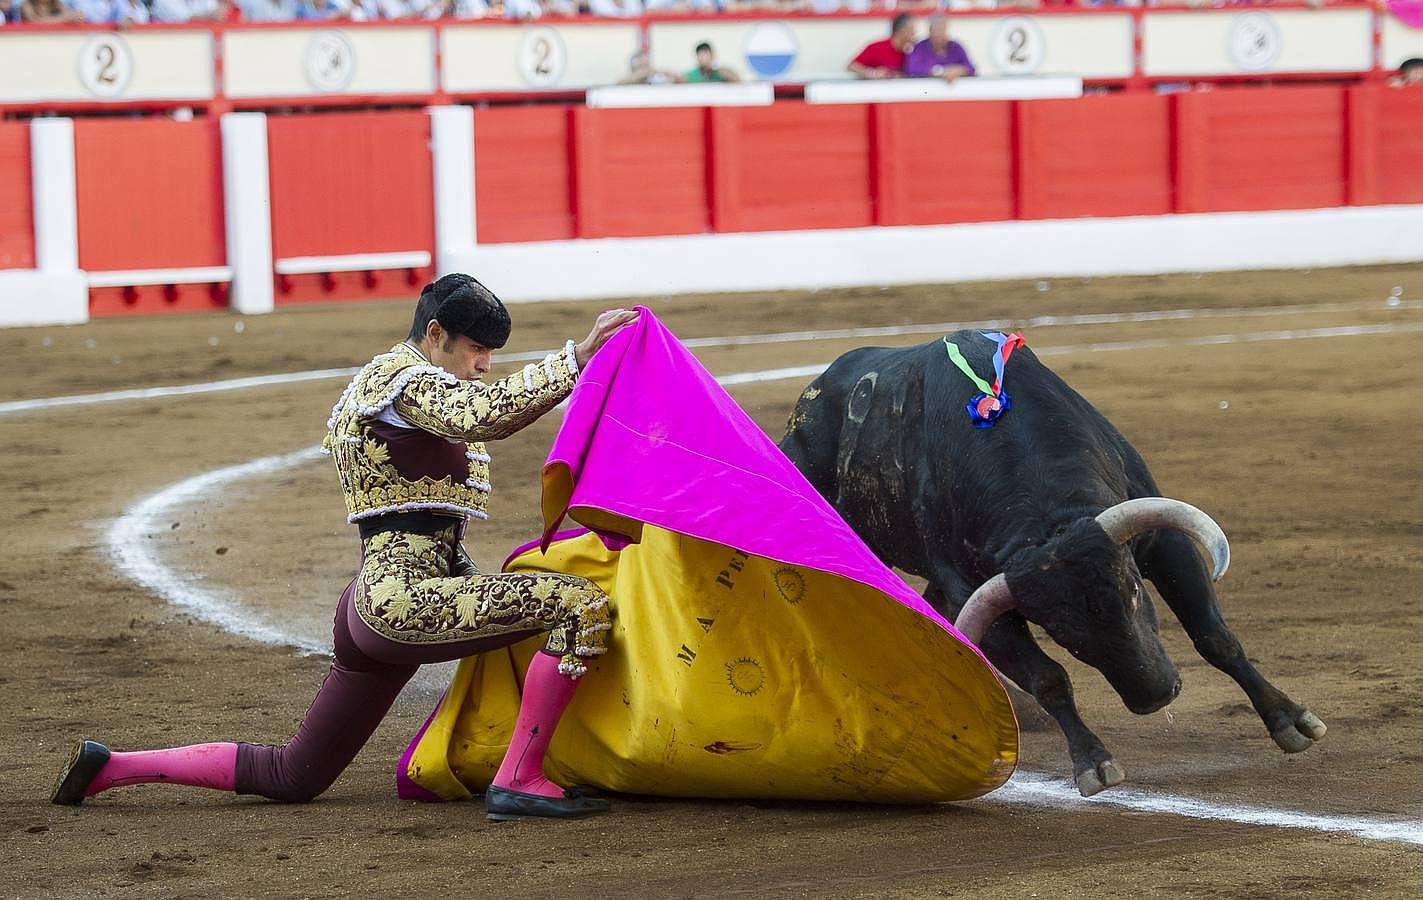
(650, 435)
(1409, 12)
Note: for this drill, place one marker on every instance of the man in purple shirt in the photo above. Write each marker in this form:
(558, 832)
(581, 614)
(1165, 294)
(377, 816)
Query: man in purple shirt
(936, 56)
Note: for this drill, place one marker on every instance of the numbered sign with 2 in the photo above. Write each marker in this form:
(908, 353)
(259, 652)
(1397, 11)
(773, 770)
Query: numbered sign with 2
(1018, 46)
(543, 58)
(106, 65)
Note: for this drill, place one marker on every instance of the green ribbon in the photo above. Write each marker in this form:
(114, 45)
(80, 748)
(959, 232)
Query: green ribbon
(957, 358)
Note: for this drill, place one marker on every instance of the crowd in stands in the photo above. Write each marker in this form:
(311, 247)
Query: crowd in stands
(138, 12)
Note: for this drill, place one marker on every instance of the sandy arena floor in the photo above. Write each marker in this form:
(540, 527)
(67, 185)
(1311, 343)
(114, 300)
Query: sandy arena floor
(1305, 447)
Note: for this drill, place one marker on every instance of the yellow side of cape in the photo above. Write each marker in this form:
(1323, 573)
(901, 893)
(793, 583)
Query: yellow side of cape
(736, 676)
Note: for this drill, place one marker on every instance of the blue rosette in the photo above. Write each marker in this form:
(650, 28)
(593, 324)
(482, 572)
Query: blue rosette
(985, 409)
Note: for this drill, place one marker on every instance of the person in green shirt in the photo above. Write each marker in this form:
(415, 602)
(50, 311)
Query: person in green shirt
(707, 69)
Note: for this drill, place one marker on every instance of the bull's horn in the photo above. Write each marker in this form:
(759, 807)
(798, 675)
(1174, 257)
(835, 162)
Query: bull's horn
(991, 600)
(1133, 517)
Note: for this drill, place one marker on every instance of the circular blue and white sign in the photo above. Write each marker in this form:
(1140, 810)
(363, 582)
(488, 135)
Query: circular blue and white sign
(771, 49)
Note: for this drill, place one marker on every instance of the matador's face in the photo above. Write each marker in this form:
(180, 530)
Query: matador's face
(459, 355)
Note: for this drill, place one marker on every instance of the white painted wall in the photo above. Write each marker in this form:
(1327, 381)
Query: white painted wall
(644, 267)
(29, 297)
(134, 65)
(279, 62)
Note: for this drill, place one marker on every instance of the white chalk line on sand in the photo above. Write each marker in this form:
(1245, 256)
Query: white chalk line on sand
(1032, 789)
(131, 542)
(784, 337)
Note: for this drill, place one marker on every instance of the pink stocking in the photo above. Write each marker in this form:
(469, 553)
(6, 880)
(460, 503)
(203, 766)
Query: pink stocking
(200, 765)
(546, 694)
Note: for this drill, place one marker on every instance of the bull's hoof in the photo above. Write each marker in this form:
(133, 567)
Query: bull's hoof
(1094, 781)
(1301, 735)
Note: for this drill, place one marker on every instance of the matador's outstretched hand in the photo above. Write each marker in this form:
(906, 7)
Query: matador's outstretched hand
(609, 323)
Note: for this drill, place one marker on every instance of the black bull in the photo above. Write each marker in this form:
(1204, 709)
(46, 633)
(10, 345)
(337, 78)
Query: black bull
(1028, 520)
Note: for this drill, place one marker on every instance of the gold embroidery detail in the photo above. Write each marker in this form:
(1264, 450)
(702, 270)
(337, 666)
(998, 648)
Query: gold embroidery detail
(405, 593)
(432, 400)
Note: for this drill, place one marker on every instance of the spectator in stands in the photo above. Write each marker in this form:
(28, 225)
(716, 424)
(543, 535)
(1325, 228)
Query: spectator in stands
(268, 10)
(831, 6)
(195, 11)
(464, 9)
(323, 10)
(707, 69)
(112, 12)
(885, 59)
(9, 12)
(1409, 73)
(615, 9)
(375, 10)
(701, 6)
(48, 11)
(938, 57)
(640, 71)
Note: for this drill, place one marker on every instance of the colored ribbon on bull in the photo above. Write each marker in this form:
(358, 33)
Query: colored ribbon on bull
(993, 401)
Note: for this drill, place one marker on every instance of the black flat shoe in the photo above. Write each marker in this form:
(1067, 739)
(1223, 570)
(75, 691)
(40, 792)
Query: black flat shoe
(504, 805)
(84, 763)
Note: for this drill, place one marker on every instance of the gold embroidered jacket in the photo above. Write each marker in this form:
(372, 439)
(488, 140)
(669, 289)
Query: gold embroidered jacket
(407, 435)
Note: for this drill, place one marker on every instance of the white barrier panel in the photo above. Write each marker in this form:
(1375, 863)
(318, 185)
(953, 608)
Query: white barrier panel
(535, 57)
(794, 51)
(105, 66)
(54, 193)
(1086, 45)
(247, 210)
(29, 297)
(908, 90)
(629, 96)
(1399, 42)
(849, 257)
(1204, 42)
(307, 62)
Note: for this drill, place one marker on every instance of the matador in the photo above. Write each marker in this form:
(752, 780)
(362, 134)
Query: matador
(408, 437)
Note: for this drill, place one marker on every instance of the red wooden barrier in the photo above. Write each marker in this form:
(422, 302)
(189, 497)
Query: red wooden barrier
(936, 163)
(523, 168)
(17, 236)
(790, 166)
(1248, 149)
(1400, 156)
(1385, 145)
(149, 196)
(1096, 156)
(347, 184)
(640, 172)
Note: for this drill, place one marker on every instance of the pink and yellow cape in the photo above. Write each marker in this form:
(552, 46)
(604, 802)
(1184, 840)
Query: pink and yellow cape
(759, 649)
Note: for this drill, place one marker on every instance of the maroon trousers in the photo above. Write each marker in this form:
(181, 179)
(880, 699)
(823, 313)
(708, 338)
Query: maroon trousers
(365, 678)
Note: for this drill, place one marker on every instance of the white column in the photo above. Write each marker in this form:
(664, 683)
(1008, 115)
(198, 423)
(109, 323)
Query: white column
(247, 206)
(452, 146)
(55, 200)
(54, 292)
